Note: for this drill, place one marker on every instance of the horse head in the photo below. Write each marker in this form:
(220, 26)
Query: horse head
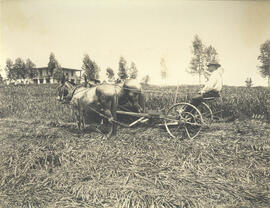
(65, 91)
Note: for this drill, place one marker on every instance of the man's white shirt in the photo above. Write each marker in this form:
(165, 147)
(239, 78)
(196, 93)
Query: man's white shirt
(214, 81)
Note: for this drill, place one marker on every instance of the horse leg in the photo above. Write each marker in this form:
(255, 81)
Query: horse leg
(59, 90)
(77, 115)
(142, 101)
(135, 103)
(109, 115)
(77, 112)
(109, 106)
(138, 108)
(114, 114)
(82, 120)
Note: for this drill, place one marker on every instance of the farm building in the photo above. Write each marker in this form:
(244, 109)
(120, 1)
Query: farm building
(43, 76)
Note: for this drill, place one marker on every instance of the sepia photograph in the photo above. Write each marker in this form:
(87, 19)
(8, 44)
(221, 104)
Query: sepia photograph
(134, 104)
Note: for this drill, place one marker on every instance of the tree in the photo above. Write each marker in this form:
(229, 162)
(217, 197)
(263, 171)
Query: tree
(133, 71)
(264, 58)
(197, 62)
(210, 55)
(53, 64)
(164, 69)
(54, 68)
(30, 71)
(58, 73)
(11, 75)
(122, 73)
(248, 82)
(19, 69)
(91, 69)
(146, 79)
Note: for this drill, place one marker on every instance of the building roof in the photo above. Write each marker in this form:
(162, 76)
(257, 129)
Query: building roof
(61, 67)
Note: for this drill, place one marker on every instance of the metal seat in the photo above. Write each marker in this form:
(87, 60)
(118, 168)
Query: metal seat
(210, 98)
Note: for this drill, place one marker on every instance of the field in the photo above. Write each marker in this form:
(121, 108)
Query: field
(46, 162)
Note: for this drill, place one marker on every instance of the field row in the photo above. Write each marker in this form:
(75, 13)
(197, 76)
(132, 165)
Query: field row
(39, 101)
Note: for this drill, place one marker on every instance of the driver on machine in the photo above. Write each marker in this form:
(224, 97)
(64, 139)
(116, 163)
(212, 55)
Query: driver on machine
(213, 84)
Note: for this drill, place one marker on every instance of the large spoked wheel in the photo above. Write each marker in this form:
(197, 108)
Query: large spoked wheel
(207, 113)
(183, 120)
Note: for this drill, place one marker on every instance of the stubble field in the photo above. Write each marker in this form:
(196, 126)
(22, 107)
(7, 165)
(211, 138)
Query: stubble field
(46, 162)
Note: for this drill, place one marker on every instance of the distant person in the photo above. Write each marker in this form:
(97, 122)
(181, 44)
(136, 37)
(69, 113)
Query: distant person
(213, 85)
(110, 79)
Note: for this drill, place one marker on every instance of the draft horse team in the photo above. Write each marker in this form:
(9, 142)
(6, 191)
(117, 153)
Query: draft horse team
(103, 99)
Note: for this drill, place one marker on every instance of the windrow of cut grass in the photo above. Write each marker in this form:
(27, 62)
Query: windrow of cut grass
(39, 101)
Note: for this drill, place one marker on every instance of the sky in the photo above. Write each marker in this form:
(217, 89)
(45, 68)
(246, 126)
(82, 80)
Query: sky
(141, 31)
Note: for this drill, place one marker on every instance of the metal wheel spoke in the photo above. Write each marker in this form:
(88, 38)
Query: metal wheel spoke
(172, 119)
(207, 113)
(189, 122)
(178, 126)
(187, 132)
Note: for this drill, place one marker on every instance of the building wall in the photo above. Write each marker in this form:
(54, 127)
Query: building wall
(44, 78)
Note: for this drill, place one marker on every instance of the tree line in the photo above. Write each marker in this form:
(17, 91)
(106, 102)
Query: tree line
(21, 69)
(92, 71)
(201, 56)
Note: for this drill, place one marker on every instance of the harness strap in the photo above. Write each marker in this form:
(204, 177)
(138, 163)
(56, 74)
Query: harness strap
(102, 115)
(72, 88)
(75, 88)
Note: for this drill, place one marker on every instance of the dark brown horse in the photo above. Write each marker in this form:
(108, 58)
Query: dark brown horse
(131, 96)
(101, 98)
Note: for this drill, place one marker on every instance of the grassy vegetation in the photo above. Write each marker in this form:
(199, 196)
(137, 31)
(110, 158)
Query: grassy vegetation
(46, 162)
(33, 102)
(233, 100)
(39, 101)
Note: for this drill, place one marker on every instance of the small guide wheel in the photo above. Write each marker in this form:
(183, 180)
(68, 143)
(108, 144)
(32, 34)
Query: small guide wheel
(183, 120)
(207, 113)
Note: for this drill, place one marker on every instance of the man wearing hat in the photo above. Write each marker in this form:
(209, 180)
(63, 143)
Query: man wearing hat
(213, 84)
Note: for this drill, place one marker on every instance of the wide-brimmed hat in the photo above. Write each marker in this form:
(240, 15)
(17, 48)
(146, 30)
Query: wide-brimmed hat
(213, 63)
